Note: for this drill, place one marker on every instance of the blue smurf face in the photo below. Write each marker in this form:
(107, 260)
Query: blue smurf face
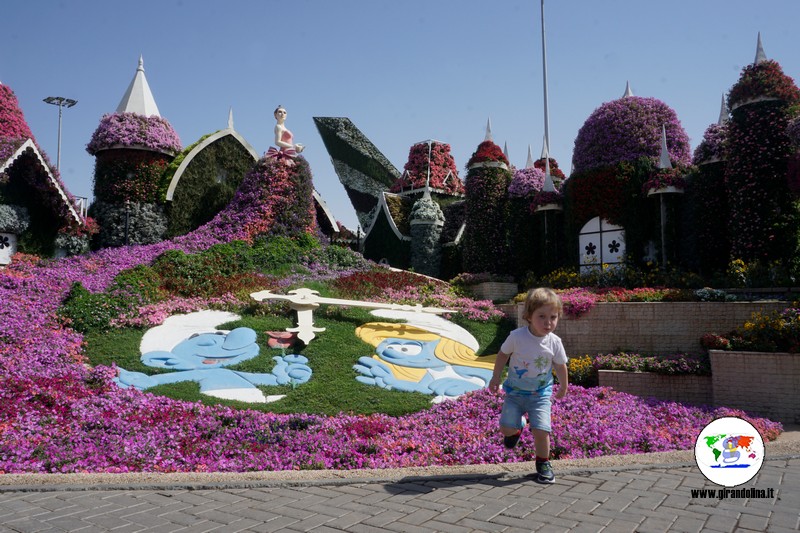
(207, 350)
(414, 354)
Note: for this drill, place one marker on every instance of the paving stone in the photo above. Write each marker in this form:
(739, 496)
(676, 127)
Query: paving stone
(347, 521)
(686, 524)
(654, 525)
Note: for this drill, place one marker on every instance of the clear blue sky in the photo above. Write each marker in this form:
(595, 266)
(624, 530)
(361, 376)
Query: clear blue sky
(402, 71)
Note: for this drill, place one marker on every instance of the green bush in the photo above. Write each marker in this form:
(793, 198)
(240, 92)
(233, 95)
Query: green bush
(85, 311)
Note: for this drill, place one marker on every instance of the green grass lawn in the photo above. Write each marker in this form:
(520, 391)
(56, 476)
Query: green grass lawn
(332, 389)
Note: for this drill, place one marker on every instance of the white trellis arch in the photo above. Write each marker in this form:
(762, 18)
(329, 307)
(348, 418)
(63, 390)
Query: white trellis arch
(600, 243)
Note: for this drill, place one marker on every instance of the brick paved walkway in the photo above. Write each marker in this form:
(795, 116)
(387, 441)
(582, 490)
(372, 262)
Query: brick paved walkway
(643, 499)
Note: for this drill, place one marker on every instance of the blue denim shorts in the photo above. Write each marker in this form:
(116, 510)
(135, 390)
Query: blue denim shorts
(537, 409)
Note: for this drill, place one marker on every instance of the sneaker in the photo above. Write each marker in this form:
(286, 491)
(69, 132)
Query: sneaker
(544, 473)
(510, 442)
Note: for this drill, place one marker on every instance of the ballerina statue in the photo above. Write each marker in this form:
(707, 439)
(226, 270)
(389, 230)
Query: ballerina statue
(283, 138)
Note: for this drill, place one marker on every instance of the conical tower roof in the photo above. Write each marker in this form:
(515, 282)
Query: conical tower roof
(760, 55)
(138, 98)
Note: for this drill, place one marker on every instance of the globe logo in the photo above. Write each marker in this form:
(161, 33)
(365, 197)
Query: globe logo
(729, 451)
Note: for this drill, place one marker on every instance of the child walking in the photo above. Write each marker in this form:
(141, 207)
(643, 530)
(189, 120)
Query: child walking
(532, 352)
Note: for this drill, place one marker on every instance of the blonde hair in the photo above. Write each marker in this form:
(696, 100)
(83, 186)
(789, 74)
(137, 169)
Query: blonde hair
(541, 297)
(447, 350)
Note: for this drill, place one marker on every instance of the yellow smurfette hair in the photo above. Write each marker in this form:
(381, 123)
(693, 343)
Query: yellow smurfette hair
(447, 350)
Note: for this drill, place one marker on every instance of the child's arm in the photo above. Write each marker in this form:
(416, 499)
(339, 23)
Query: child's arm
(563, 379)
(499, 364)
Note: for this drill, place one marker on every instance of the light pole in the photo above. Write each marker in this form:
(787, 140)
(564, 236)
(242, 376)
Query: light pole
(61, 102)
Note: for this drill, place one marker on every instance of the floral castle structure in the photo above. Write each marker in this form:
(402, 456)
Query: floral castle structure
(636, 194)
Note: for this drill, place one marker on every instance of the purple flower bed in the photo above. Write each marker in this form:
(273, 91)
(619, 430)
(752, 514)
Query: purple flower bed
(57, 415)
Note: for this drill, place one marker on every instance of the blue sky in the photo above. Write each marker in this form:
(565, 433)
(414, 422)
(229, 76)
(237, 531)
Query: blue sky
(402, 71)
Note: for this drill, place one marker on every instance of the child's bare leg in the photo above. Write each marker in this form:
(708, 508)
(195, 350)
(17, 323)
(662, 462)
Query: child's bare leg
(507, 431)
(541, 443)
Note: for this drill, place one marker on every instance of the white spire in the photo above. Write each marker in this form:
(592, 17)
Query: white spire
(545, 149)
(663, 160)
(723, 112)
(505, 151)
(760, 55)
(488, 130)
(628, 91)
(138, 98)
(530, 163)
(230, 118)
(548, 185)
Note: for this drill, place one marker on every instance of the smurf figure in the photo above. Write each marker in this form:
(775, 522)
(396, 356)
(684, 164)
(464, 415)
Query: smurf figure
(203, 357)
(431, 358)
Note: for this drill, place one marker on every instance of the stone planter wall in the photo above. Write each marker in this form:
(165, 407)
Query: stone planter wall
(652, 327)
(494, 290)
(695, 390)
(767, 384)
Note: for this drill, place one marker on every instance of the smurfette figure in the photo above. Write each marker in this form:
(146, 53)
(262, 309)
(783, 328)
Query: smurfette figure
(408, 358)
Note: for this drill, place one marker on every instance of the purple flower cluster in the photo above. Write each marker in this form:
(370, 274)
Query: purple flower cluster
(713, 144)
(627, 129)
(132, 130)
(526, 181)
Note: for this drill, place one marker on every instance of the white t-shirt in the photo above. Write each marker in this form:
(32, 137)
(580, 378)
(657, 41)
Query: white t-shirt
(530, 368)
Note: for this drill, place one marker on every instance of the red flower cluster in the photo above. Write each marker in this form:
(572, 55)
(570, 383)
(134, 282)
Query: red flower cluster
(487, 151)
(554, 170)
(133, 175)
(599, 192)
(763, 80)
(665, 177)
(433, 157)
(87, 229)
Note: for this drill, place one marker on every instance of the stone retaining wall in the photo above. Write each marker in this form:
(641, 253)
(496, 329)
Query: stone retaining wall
(494, 290)
(767, 384)
(652, 327)
(695, 390)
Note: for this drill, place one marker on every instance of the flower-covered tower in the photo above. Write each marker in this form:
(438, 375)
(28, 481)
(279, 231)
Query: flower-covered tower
(763, 212)
(707, 200)
(616, 150)
(132, 147)
(485, 246)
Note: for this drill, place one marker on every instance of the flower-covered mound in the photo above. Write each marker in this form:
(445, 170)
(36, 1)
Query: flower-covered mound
(128, 130)
(626, 129)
